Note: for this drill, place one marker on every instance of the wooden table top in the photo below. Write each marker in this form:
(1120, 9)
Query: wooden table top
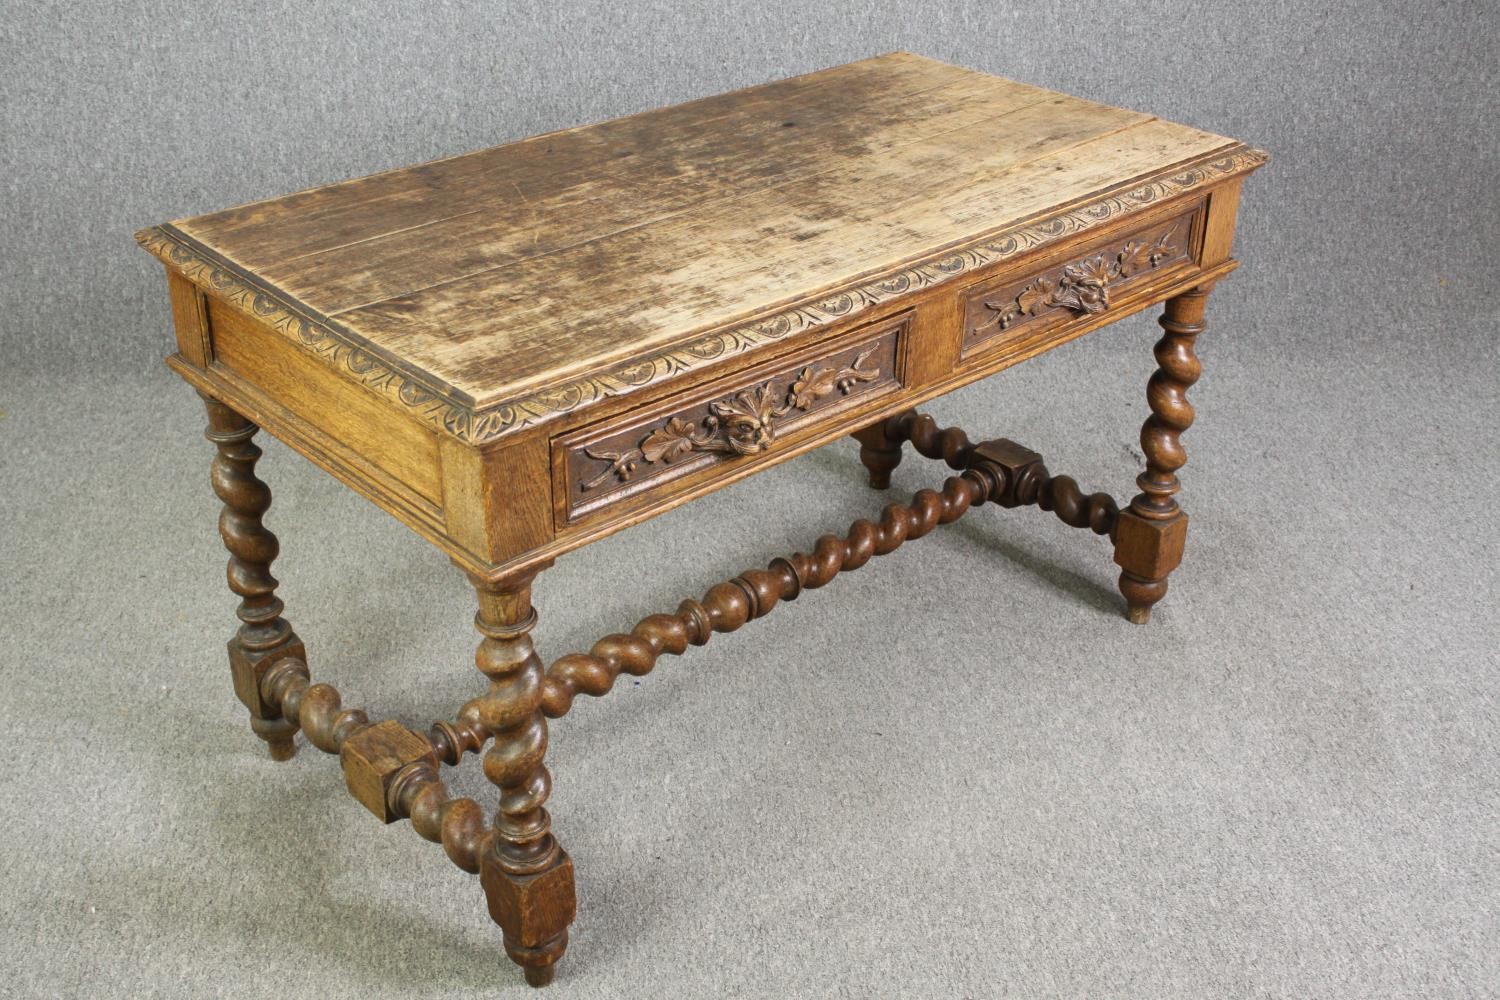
(513, 281)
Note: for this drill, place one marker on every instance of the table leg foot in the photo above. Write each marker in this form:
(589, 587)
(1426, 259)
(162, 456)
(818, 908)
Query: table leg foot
(1140, 595)
(540, 975)
(533, 912)
(279, 736)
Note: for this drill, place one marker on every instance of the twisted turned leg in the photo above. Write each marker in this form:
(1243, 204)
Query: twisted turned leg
(264, 637)
(1151, 532)
(527, 876)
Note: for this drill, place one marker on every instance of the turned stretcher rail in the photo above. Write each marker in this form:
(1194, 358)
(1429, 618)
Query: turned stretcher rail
(415, 791)
(996, 471)
(990, 475)
(1060, 494)
(752, 594)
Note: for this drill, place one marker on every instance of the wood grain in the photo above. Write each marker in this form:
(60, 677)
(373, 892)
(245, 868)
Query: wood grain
(540, 212)
(600, 159)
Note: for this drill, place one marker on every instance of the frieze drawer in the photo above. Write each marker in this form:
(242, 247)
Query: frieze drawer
(745, 417)
(1019, 307)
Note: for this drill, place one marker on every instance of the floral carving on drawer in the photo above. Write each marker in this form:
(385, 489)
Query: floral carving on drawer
(742, 421)
(1082, 287)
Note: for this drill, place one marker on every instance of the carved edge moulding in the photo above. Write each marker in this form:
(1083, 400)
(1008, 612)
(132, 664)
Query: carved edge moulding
(441, 407)
(741, 417)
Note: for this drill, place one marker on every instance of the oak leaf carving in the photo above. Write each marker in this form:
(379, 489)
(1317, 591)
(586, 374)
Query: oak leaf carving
(812, 384)
(1034, 296)
(670, 441)
(1134, 257)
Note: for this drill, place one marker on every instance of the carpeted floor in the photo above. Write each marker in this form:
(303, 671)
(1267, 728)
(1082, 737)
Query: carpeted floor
(956, 773)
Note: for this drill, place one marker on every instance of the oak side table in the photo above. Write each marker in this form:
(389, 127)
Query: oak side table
(520, 350)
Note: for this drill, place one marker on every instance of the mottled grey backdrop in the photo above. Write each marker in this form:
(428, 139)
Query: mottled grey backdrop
(957, 773)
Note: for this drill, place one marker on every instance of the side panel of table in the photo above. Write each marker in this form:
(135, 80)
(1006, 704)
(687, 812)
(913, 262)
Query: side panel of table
(451, 494)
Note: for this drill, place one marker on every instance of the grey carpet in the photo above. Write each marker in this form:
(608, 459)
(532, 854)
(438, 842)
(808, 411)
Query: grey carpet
(955, 773)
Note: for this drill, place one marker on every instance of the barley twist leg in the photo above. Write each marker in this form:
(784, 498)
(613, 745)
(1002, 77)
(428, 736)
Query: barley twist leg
(1151, 533)
(527, 876)
(264, 637)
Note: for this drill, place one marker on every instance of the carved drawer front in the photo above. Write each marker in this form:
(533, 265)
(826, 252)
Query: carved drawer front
(1019, 307)
(736, 420)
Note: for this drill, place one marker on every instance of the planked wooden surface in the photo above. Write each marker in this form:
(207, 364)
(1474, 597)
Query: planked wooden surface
(521, 267)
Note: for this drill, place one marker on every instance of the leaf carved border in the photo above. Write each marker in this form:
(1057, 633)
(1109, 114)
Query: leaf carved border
(345, 351)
